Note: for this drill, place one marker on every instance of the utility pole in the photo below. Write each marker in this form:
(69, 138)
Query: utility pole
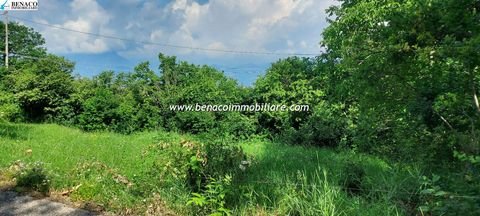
(6, 39)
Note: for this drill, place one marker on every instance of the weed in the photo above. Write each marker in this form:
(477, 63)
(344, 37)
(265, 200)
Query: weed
(33, 177)
(211, 201)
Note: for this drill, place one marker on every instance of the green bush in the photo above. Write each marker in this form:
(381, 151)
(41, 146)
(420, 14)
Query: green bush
(448, 194)
(9, 107)
(235, 125)
(211, 201)
(33, 177)
(195, 122)
(327, 126)
(99, 111)
(192, 165)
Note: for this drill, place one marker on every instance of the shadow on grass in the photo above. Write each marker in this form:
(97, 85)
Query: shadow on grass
(14, 131)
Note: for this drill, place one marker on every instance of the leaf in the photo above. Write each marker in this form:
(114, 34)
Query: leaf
(424, 208)
(427, 191)
(197, 195)
(440, 193)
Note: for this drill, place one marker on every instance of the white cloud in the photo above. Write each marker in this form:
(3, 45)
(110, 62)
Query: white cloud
(179, 5)
(249, 25)
(286, 26)
(85, 16)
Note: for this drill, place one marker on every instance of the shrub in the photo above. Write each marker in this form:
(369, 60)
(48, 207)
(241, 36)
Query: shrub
(195, 122)
(194, 162)
(211, 201)
(456, 194)
(99, 112)
(9, 107)
(33, 177)
(236, 125)
(204, 169)
(327, 126)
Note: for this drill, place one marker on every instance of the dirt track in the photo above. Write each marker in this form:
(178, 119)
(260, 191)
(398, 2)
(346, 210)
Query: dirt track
(12, 204)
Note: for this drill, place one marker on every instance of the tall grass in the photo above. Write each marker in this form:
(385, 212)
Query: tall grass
(307, 198)
(297, 180)
(113, 170)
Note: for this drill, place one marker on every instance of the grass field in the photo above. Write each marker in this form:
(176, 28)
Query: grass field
(111, 170)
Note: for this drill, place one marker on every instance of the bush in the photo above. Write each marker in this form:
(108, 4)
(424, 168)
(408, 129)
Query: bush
(222, 159)
(99, 111)
(193, 162)
(456, 194)
(195, 122)
(9, 107)
(327, 126)
(33, 177)
(204, 169)
(212, 199)
(236, 125)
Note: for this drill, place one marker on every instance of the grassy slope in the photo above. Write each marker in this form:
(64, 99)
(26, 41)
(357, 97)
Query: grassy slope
(62, 149)
(281, 178)
(71, 157)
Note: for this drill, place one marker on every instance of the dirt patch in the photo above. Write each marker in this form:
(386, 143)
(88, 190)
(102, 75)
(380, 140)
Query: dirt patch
(12, 203)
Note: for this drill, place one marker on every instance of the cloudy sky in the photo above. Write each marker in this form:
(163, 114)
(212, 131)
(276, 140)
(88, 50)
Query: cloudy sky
(278, 26)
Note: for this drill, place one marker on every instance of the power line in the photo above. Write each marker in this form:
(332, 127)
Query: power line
(90, 66)
(165, 44)
(84, 65)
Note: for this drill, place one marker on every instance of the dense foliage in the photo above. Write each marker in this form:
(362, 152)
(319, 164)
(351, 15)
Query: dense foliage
(399, 79)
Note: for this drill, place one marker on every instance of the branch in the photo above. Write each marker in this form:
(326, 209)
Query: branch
(444, 120)
(475, 100)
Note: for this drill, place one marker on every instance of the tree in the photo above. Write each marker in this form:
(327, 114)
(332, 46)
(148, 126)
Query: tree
(412, 66)
(300, 81)
(42, 86)
(22, 40)
(187, 84)
(144, 87)
(40, 82)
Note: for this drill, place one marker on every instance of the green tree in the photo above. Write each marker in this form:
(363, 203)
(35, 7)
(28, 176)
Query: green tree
(99, 103)
(40, 83)
(41, 86)
(187, 84)
(140, 99)
(22, 41)
(300, 81)
(412, 67)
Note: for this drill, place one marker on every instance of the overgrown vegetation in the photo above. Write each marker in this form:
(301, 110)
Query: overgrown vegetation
(398, 80)
(131, 174)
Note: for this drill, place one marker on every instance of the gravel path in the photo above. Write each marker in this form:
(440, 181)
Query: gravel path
(12, 204)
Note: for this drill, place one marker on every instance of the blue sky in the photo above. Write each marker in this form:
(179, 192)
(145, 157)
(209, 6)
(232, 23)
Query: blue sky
(280, 26)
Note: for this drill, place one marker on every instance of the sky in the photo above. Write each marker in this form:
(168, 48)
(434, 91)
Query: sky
(267, 26)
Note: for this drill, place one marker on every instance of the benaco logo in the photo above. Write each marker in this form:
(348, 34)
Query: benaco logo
(19, 5)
